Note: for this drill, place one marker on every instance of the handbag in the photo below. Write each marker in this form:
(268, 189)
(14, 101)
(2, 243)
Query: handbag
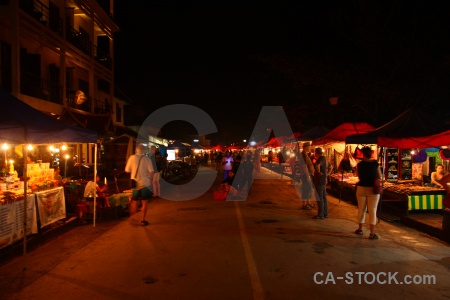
(377, 188)
(133, 181)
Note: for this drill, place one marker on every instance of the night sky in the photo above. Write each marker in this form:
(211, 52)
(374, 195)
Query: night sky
(230, 58)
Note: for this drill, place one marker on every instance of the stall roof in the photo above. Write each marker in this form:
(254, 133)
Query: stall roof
(411, 129)
(340, 133)
(23, 124)
(313, 133)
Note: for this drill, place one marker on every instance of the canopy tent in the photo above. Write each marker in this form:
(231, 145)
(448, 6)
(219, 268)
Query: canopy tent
(340, 133)
(232, 148)
(179, 145)
(196, 145)
(22, 124)
(313, 133)
(411, 129)
(275, 142)
(217, 147)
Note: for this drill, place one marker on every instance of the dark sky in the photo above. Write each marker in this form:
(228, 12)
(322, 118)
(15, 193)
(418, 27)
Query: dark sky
(230, 58)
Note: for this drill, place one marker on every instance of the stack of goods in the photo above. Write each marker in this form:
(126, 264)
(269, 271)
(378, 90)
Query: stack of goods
(41, 177)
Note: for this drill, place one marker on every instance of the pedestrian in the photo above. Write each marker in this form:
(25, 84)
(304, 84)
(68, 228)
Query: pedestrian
(156, 159)
(367, 171)
(141, 169)
(218, 160)
(227, 163)
(320, 183)
(306, 175)
(281, 161)
(257, 161)
(247, 173)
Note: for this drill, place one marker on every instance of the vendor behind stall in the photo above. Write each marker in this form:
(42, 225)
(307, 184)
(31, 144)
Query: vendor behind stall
(437, 176)
(93, 187)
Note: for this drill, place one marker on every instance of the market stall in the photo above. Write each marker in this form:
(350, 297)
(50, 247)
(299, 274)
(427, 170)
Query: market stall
(400, 138)
(23, 125)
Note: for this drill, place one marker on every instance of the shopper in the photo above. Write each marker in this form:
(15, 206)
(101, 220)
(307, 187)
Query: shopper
(306, 174)
(227, 163)
(320, 183)
(156, 159)
(367, 171)
(141, 169)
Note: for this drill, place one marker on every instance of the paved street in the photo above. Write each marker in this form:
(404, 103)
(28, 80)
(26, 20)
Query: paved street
(262, 247)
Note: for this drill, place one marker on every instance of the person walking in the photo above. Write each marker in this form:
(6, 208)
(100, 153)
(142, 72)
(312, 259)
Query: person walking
(247, 173)
(227, 162)
(257, 161)
(320, 183)
(307, 172)
(141, 169)
(367, 171)
(156, 159)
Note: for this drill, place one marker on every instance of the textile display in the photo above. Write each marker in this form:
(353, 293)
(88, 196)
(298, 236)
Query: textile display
(12, 216)
(425, 202)
(51, 206)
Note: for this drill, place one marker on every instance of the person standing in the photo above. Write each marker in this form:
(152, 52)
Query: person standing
(227, 163)
(156, 159)
(307, 172)
(367, 171)
(281, 161)
(141, 169)
(257, 161)
(247, 173)
(320, 183)
(218, 160)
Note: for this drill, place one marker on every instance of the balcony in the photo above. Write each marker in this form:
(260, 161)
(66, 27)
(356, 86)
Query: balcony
(79, 40)
(40, 88)
(41, 13)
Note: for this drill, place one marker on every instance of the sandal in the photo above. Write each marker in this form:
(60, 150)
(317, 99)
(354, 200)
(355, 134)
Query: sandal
(144, 223)
(358, 232)
(373, 236)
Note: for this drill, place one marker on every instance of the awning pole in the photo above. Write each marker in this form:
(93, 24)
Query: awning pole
(95, 184)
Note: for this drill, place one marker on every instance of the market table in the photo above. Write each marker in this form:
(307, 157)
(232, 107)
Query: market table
(407, 193)
(120, 199)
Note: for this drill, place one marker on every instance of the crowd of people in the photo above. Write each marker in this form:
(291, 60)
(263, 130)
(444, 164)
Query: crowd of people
(312, 170)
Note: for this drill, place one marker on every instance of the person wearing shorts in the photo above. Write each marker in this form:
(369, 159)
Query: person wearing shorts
(141, 168)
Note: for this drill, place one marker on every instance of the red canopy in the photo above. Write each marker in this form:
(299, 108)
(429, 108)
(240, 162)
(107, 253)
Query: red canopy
(217, 148)
(275, 142)
(342, 131)
(233, 147)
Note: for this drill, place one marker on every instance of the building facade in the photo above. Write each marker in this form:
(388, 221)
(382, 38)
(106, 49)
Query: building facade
(57, 56)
